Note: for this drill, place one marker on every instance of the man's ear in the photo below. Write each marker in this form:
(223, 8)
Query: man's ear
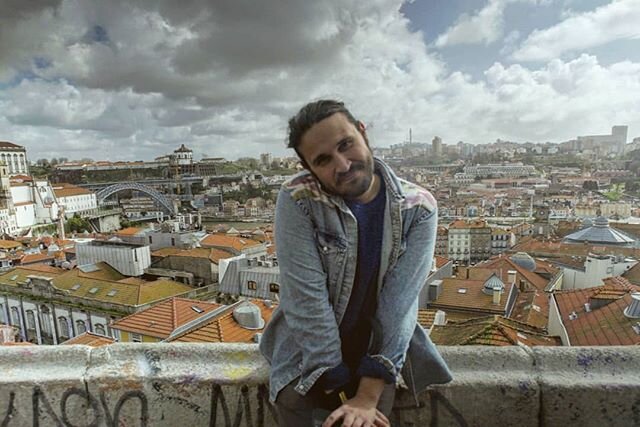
(362, 128)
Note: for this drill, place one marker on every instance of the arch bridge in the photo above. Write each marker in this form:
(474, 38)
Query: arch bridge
(103, 194)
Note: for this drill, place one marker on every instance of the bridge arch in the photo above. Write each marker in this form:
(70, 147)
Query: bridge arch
(122, 186)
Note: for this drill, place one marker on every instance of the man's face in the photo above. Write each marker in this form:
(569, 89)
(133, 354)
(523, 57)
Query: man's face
(338, 155)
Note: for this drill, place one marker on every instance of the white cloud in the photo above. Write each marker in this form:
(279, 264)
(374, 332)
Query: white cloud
(615, 21)
(484, 26)
(135, 79)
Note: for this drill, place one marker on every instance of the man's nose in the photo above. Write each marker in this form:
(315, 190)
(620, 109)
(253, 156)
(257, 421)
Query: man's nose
(342, 164)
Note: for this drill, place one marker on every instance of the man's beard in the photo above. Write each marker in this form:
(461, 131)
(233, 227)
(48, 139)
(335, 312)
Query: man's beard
(351, 188)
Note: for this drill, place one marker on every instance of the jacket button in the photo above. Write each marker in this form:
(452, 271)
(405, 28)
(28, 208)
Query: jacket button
(325, 249)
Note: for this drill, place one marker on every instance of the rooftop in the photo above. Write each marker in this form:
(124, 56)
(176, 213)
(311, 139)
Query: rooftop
(604, 322)
(491, 330)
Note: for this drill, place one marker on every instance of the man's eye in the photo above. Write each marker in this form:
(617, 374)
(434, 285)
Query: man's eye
(322, 161)
(346, 144)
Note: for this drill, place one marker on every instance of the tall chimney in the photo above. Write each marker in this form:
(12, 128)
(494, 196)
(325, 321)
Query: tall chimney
(512, 276)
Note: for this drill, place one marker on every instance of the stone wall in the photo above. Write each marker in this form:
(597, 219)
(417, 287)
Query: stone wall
(224, 385)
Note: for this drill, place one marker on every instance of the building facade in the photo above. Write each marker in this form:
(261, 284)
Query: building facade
(14, 158)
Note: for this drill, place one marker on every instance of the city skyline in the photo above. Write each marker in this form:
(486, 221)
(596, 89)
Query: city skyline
(133, 81)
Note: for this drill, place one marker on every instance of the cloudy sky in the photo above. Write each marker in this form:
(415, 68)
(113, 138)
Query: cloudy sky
(134, 79)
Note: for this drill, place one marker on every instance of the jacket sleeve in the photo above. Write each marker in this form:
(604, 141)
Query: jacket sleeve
(397, 311)
(304, 297)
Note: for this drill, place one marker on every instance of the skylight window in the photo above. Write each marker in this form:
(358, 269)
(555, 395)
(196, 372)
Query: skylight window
(197, 309)
(462, 290)
(14, 277)
(112, 293)
(75, 287)
(93, 290)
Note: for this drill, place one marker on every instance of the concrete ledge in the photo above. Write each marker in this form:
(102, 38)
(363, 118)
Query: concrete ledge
(225, 385)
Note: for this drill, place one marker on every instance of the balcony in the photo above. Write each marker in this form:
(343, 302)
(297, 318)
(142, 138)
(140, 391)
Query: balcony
(225, 385)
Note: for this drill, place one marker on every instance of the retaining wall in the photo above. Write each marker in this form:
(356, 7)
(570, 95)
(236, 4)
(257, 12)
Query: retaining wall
(225, 385)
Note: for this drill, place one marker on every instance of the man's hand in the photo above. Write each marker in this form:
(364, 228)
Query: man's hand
(357, 412)
(360, 411)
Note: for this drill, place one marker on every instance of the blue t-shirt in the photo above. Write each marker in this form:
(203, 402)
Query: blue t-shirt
(355, 328)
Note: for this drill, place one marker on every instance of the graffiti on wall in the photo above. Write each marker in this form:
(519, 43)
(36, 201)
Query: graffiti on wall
(247, 406)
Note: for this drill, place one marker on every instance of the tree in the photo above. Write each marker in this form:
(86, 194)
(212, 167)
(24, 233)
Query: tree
(76, 224)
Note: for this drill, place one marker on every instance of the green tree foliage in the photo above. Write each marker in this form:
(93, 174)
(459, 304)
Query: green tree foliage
(76, 224)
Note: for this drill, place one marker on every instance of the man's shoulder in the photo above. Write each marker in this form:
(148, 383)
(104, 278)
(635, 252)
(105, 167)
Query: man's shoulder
(414, 195)
(303, 185)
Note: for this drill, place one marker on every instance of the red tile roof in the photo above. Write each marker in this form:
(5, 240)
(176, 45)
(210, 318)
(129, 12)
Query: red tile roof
(491, 330)
(90, 339)
(161, 319)
(604, 325)
(226, 241)
(224, 327)
(441, 261)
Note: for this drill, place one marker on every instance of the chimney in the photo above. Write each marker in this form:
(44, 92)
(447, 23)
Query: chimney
(633, 310)
(496, 295)
(440, 319)
(587, 307)
(512, 276)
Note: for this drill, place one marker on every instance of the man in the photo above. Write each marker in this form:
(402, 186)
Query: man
(355, 244)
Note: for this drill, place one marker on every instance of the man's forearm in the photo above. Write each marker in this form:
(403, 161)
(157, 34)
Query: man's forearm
(370, 390)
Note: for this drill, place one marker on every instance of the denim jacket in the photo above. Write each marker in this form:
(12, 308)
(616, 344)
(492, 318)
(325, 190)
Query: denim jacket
(316, 237)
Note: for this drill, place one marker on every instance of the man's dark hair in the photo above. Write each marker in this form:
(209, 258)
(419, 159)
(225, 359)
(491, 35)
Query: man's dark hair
(311, 114)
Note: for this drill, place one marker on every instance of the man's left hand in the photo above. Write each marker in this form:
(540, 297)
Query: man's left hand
(357, 412)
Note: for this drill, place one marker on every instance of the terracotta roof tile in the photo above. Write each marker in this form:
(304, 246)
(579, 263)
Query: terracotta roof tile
(226, 241)
(426, 317)
(33, 258)
(9, 244)
(493, 331)
(472, 299)
(90, 339)
(129, 231)
(224, 328)
(604, 325)
(441, 261)
(68, 190)
(163, 318)
(213, 254)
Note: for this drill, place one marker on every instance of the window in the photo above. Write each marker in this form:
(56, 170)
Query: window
(99, 329)
(2, 319)
(63, 326)
(274, 287)
(252, 285)
(93, 290)
(75, 287)
(136, 338)
(31, 320)
(15, 316)
(80, 327)
(112, 293)
(150, 240)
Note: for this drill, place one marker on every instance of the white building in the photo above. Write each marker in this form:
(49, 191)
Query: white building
(596, 268)
(183, 155)
(611, 143)
(34, 202)
(511, 170)
(14, 157)
(129, 259)
(75, 199)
